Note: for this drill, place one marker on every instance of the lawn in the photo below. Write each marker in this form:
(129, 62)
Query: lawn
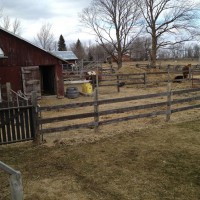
(154, 163)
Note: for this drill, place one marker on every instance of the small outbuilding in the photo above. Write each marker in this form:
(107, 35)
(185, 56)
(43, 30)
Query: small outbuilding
(29, 68)
(68, 56)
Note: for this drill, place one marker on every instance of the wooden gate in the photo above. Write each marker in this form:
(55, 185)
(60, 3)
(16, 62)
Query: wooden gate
(16, 124)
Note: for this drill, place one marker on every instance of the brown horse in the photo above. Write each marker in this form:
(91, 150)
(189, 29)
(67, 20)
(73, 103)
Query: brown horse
(186, 70)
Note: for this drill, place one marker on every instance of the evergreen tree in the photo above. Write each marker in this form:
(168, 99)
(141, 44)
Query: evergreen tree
(79, 50)
(61, 44)
(90, 56)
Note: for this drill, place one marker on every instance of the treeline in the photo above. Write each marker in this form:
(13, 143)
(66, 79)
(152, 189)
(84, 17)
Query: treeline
(139, 50)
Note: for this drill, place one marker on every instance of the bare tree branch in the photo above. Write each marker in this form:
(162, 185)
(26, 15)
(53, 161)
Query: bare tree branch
(45, 39)
(6, 23)
(169, 22)
(115, 23)
(16, 27)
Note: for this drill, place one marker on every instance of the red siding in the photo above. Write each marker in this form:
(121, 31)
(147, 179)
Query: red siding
(20, 54)
(12, 75)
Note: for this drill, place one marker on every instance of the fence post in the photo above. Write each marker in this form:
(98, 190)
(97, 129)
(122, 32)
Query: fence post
(15, 182)
(8, 92)
(168, 73)
(145, 79)
(118, 89)
(169, 102)
(96, 110)
(35, 117)
(16, 186)
(190, 73)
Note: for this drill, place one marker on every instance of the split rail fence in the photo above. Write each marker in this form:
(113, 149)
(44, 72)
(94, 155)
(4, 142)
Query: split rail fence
(101, 112)
(146, 78)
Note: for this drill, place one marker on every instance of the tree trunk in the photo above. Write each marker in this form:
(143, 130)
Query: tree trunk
(153, 50)
(119, 59)
(119, 64)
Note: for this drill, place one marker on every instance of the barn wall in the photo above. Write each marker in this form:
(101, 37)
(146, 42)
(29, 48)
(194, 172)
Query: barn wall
(12, 75)
(22, 53)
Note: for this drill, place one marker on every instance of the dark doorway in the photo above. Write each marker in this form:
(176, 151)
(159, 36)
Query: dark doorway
(47, 80)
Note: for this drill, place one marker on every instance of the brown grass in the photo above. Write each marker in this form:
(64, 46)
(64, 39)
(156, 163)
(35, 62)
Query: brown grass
(139, 159)
(154, 163)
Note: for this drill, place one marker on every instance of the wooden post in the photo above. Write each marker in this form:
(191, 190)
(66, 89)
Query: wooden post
(16, 186)
(96, 110)
(35, 117)
(145, 79)
(169, 100)
(168, 74)
(118, 89)
(190, 73)
(8, 91)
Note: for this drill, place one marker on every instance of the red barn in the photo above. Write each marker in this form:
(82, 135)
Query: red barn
(28, 67)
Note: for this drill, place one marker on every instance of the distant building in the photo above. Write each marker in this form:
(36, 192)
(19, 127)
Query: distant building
(69, 57)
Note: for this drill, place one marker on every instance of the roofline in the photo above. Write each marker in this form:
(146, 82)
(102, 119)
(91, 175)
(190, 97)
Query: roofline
(19, 37)
(67, 51)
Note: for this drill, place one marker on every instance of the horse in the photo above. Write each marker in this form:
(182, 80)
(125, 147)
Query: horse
(186, 70)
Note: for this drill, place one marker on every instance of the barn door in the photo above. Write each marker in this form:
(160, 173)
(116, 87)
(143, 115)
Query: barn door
(31, 80)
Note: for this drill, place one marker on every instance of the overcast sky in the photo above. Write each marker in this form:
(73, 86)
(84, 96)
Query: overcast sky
(61, 14)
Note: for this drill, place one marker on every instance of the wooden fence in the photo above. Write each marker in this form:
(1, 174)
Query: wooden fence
(146, 78)
(164, 103)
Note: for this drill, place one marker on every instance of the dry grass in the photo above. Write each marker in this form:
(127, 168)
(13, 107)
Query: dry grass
(154, 163)
(140, 159)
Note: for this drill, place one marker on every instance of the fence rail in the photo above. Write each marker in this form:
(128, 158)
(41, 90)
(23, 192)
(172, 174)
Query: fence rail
(144, 78)
(163, 103)
(16, 187)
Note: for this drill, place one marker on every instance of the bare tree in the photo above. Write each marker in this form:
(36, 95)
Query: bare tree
(140, 48)
(45, 39)
(168, 22)
(97, 53)
(6, 23)
(16, 26)
(196, 49)
(114, 22)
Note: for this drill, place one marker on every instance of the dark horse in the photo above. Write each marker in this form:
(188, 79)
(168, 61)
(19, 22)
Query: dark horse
(186, 70)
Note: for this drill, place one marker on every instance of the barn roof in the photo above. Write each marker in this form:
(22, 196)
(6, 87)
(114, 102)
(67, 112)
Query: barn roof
(65, 55)
(19, 37)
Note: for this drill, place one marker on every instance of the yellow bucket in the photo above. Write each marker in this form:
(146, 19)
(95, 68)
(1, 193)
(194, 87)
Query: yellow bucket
(87, 88)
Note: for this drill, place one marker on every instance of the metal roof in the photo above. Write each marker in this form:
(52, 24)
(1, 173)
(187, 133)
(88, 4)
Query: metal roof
(65, 55)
